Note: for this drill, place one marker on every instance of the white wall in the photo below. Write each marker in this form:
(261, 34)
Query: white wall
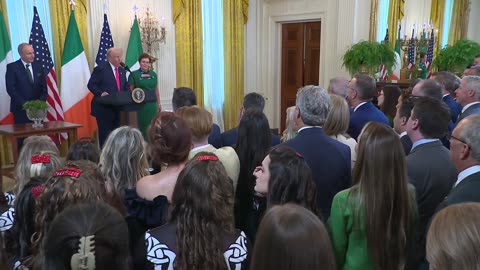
(474, 21)
(120, 17)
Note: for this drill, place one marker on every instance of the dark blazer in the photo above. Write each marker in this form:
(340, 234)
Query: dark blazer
(22, 90)
(466, 191)
(455, 109)
(406, 143)
(229, 138)
(474, 109)
(364, 114)
(330, 162)
(215, 138)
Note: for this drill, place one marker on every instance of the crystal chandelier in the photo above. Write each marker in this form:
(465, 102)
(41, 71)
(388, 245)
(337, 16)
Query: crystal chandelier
(151, 32)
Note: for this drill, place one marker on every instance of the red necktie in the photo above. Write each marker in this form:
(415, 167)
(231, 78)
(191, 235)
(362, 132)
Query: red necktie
(117, 78)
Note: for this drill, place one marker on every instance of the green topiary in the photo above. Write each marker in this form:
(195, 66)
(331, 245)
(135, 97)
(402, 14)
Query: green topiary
(368, 55)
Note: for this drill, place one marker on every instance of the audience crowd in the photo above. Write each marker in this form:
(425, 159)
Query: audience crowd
(362, 178)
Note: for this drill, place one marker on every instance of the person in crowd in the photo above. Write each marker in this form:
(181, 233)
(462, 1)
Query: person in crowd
(170, 143)
(360, 93)
(465, 154)
(430, 169)
(185, 97)
(200, 122)
(338, 86)
(87, 236)
(372, 224)
(329, 160)
(146, 79)
(387, 101)
(253, 144)
(453, 239)
(291, 237)
(200, 233)
(76, 182)
(290, 130)
(404, 110)
(25, 81)
(107, 78)
(468, 96)
(86, 148)
(284, 177)
(251, 101)
(336, 124)
(450, 83)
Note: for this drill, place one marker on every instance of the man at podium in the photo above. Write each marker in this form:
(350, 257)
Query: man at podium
(106, 79)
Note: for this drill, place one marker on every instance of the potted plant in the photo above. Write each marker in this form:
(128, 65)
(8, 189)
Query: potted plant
(36, 111)
(367, 57)
(456, 57)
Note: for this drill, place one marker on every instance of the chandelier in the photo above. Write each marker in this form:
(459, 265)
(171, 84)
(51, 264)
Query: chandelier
(152, 33)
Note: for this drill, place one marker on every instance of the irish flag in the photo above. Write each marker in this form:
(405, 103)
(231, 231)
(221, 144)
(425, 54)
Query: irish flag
(75, 75)
(5, 57)
(134, 49)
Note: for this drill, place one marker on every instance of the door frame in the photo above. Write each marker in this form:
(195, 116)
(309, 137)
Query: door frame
(275, 56)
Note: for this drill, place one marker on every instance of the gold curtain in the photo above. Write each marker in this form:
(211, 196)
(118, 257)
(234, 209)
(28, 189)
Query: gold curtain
(3, 8)
(60, 14)
(373, 20)
(459, 22)
(5, 146)
(235, 15)
(395, 14)
(436, 15)
(187, 17)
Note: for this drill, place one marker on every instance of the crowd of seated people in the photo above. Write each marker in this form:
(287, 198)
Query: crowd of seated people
(350, 186)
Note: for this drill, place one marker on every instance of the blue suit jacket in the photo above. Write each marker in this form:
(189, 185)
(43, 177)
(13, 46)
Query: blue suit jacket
(330, 162)
(364, 114)
(19, 87)
(455, 109)
(229, 138)
(103, 80)
(214, 138)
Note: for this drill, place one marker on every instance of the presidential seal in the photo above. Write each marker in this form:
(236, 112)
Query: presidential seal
(138, 95)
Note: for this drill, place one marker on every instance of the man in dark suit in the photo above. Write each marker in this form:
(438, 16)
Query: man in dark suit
(404, 110)
(106, 79)
(360, 92)
(25, 81)
(329, 160)
(184, 96)
(450, 83)
(430, 169)
(253, 101)
(468, 96)
(465, 153)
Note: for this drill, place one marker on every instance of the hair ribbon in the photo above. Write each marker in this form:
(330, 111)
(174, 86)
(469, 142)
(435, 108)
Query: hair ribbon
(41, 158)
(203, 158)
(73, 172)
(37, 191)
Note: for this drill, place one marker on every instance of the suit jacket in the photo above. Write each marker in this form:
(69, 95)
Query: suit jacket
(229, 138)
(364, 114)
(329, 161)
(20, 88)
(215, 138)
(432, 173)
(103, 80)
(406, 143)
(455, 109)
(474, 109)
(465, 191)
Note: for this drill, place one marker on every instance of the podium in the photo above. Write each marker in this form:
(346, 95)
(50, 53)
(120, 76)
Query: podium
(125, 103)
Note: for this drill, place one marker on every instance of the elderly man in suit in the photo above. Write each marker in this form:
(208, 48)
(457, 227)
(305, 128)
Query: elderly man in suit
(25, 80)
(329, 160)
(360, 92)
(468, 96)
(106, 79)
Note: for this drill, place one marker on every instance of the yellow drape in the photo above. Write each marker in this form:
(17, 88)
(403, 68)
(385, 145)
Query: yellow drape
(395, 14)
(373, 20)
(459, 22)
(235, 15)
(436, 15)
(187, 17)
(60, 14)
(3, 8)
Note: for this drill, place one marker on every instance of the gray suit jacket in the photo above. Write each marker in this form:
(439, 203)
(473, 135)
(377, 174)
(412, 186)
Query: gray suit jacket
(474, 109)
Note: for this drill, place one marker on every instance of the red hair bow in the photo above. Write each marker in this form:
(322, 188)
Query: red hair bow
(42, 158)
(36, 191)
(73, 172)
(202, 158)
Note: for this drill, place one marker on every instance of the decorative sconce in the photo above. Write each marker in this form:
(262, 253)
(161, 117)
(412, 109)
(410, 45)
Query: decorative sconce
(152, 33)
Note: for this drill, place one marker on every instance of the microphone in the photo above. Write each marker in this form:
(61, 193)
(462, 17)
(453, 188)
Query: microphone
(125, 67)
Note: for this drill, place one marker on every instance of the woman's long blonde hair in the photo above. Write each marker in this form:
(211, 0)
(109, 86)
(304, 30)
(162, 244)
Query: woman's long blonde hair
(338, 118)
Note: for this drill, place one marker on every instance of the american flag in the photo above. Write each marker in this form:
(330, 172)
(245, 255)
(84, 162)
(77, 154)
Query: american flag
(106, 42)
(383, 68)
(430, 54)
(411, 51)
(43, 56)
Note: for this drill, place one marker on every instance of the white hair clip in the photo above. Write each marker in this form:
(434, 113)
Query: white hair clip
(84, 259)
